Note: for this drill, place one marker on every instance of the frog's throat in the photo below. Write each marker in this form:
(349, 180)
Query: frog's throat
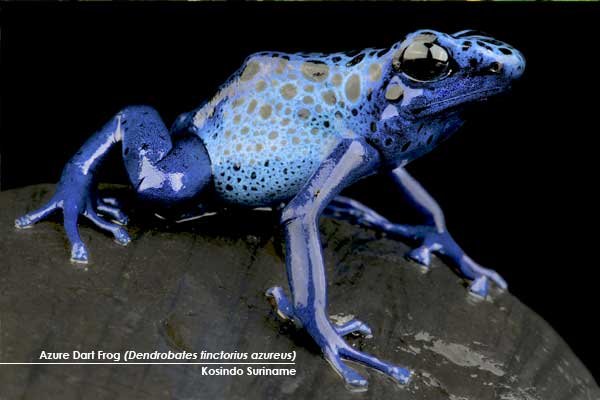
(459, 101)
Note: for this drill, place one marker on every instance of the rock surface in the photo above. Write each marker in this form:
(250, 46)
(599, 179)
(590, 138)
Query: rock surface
(200, 286)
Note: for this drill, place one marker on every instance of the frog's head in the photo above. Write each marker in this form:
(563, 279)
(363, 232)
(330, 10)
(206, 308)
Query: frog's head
(430, 77)
(432, 72)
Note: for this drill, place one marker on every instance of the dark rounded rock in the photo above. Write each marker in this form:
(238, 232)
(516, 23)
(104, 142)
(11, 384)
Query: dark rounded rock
(200, 286)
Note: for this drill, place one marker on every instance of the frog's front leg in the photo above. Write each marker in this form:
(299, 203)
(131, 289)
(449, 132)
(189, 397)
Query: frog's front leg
(432, 236)
(351, 160)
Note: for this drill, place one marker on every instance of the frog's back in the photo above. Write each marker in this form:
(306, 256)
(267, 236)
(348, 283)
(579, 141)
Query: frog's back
(273, 123)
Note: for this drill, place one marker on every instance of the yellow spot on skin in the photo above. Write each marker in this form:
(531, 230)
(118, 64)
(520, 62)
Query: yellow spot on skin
(303, 113)
(245, 130)
(260, 86)
(314, 131)
(227, 134)
(288, 91)
(308, 100)
(309, 88)
(226, 152)
(329, 97)
(353, 87)
(251, 69)
(238, 147)
(285, 121)
(375, 72)
(318, 108)
(394, 92)
(273, 148)
(251, 106)
(265, 111)
(273, 135)
(281, 66)
(259, 147)
(336, 80)
(315, 72)
(279, 106)
(295, 140)
(237, 102)
(236, 119)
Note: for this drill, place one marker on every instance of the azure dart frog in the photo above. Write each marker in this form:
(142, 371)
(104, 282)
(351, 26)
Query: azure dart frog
(290, 131)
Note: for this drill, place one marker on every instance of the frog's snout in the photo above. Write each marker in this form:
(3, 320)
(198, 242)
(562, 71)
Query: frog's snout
(511, 62)
(496, 56)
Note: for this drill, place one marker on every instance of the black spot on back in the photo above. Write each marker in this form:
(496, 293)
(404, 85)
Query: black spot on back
(355, 60)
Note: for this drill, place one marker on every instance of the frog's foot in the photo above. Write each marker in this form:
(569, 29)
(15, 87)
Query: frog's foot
(73, 206)
(335, 350)
(280, 302)
(109, 207)
(430, 239)
(443, 244)
(354, 327)
(284, 309)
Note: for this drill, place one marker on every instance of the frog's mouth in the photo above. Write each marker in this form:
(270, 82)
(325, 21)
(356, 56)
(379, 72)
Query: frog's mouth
(452, 103)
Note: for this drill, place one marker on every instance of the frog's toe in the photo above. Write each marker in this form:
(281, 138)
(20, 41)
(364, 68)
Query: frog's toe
(354, 326)
(479, 287)
(280, 302)
(421, 255)
(23, 222)
(79, 253)
(112, 211)
(120, 234)
(27, 220)
(399, 374)
(480, 276)
(352, 379)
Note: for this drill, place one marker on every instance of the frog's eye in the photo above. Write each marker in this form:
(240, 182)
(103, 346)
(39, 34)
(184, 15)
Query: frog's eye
(424, 60)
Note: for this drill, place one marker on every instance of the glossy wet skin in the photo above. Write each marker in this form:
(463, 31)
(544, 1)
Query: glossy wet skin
(274, 122)
(296, 129)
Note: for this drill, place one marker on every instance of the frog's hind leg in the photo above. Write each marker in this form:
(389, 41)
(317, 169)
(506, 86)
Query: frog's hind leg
(165, 169)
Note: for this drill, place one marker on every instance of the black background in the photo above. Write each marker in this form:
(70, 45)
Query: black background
(516, 182)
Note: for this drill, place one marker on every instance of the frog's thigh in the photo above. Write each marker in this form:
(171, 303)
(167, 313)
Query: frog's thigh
(162, 168)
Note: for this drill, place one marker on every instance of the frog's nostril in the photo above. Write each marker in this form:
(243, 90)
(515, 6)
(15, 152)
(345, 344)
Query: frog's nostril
(495, 67)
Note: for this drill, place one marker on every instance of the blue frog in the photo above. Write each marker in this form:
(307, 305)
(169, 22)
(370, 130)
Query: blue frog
(290, 131)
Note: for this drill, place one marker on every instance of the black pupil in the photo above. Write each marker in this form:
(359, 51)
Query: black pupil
(425, 61)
